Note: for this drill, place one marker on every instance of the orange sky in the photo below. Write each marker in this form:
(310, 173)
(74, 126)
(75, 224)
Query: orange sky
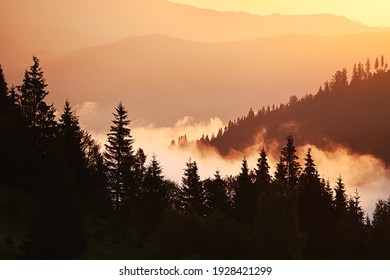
(373, 12)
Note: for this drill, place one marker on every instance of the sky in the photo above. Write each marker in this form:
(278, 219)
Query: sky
(372, 12)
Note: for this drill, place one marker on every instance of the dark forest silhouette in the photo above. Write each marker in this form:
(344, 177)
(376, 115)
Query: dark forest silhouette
(354, 114)
(62, 198)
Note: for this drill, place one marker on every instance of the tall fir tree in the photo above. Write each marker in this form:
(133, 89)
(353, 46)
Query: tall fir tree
(71, 141)
(382, 63)
(354, 208)
(69, 125)
(192, 187)
(289, 164)
(355, 74)
(263, 178)
(217, 194)
(119, 159)
(376, 65)
(245, 200)
(90, 184)
(314, 212)
(340, 201)
(39, 116)
(368, 69)
(154, 195)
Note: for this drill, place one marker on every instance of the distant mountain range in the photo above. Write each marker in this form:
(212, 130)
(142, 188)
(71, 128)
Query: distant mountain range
(57, 27)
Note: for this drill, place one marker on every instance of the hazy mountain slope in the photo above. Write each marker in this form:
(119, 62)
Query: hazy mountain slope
(356, 116)
(163, 79)
(62, 26)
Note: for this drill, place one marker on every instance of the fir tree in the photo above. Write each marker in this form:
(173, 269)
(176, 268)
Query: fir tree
(119, 160)
(340, 201)
(382, 62)
(192, 187)
(376, 65)
(73, 143)
(216, 193)
(39, 116)
(343, 225)
(246, 198)
(154, 182)
(357, 234)
(33, 92)
(263, 178)
(314, 212)
(355, 75)
(71, 136)
(154, 195)
(290, 161)
(368, 69)
(355, 211)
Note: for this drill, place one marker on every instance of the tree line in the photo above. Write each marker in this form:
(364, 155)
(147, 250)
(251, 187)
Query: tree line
(352, 113)
(64, 197)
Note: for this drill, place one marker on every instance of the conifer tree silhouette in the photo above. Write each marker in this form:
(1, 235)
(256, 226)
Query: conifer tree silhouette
(154, 195)
(245, 200)
(314, 212)
(263, 178)
(39, 117)
(193, 192)
(217, 194)
(290, 162)
(119, 159)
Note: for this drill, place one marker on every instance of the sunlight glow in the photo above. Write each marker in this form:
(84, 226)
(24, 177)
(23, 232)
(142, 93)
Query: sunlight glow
(373, 13)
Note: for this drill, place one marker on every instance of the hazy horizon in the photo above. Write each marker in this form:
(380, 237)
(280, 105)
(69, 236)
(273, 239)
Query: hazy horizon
(370, 13)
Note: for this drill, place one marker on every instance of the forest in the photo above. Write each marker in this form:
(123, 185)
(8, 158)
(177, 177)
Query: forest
(352, 113)
(64, 196)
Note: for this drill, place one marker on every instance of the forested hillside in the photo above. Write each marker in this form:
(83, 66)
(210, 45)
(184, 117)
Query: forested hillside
(63, 196)
(355, 114)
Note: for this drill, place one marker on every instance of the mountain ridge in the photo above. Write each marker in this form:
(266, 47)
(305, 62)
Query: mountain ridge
(40, 30)
(354, 115)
